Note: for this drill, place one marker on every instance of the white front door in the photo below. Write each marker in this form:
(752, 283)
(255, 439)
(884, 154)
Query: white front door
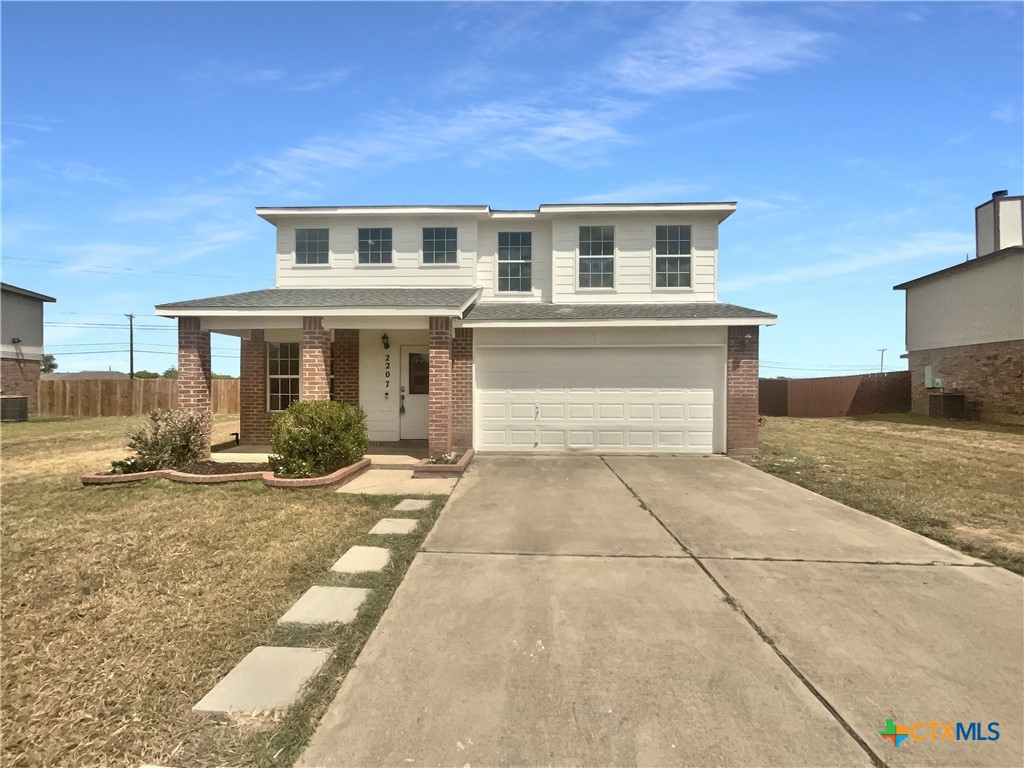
(413, 395)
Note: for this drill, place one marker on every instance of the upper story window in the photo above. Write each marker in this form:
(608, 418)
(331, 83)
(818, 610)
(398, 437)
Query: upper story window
(597, 257)
(375, 245)
(311, 246)
(440, 245)
(283, 364)
(515, 257)
(672, 256)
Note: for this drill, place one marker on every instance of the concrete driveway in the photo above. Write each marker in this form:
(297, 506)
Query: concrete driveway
(674, 611)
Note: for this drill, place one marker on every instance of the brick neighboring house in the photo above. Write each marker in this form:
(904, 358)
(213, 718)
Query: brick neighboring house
(965, 324)
(565, 328)
(21, 341)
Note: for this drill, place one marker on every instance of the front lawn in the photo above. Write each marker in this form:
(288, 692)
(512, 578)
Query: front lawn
(960, 483)
(123, 605)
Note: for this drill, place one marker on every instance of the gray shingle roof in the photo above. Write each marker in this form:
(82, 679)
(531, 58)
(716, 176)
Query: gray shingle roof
(541, 312)
(299, 298)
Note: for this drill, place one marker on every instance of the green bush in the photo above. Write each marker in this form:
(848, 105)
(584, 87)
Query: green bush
(169, 440)
(316, 437)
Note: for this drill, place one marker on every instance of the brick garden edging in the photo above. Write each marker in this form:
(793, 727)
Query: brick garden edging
(423, 467)
(343, 475)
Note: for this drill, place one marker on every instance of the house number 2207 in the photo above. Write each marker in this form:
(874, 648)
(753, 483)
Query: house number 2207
(387, 372)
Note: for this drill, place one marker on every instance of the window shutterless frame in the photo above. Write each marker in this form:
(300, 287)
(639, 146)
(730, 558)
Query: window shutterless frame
(595, 262)
(312, 246)
(515, 262)
(440, 245)
(672, 256)
(284, 362)
(375, 246)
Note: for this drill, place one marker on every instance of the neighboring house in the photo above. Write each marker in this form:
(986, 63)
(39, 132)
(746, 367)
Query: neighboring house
(965, 324)
(566, 328)
(86, 375)
(21, 341)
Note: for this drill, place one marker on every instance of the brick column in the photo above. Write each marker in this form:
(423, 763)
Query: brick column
(439, 403)
(254, 418)
(195, 379)
(741, 390)
(20, 376)
(462, 388)
(316, 360)
(345, 359)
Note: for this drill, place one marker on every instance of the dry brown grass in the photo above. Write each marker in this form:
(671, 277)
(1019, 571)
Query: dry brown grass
(959, 483)
(123, 606)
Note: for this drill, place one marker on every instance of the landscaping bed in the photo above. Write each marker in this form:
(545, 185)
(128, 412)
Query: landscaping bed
(123, 608)
(958, 483)
(224, 467)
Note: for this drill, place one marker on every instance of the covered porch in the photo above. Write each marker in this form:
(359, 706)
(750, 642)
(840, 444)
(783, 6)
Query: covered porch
(396, 353)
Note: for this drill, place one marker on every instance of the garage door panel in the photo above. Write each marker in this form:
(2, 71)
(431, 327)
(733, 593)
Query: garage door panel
(618, 399)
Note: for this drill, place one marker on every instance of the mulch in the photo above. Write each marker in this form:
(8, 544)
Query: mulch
(224, 468)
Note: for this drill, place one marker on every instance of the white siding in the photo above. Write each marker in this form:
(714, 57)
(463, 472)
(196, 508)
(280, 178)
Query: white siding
(22, 318)
(634, 258)
(983, 303)
(406, 271)
(487, 266)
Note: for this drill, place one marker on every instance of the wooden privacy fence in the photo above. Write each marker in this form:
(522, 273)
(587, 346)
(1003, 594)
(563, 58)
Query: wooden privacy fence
(836, 395)
(122, 397)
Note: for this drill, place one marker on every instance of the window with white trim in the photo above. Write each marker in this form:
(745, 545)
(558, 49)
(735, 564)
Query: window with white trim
(311, 246)
(284, 361)
(375, 245)
(672, 256)
(515, 260)
(597, 257)
(440, 245)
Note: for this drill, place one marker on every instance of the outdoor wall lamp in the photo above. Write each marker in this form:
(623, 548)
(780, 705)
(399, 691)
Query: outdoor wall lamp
(747, 339)
(385, 341)
(15, 340)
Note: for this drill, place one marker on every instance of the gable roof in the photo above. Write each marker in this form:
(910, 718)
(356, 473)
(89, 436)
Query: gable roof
(971, 264)
(23, 292)
(542, 312)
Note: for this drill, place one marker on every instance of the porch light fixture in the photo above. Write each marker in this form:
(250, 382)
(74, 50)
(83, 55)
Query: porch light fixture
(385, 341)
(15, 340)
(747, 339)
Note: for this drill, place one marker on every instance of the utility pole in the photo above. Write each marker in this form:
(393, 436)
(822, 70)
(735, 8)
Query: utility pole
(131, 346)
(881, 363)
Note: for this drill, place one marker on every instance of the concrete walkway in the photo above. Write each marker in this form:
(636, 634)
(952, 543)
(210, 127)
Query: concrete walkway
(661, 611)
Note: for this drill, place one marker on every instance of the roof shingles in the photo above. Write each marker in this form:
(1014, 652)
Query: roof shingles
(536, 311)
(318, 298)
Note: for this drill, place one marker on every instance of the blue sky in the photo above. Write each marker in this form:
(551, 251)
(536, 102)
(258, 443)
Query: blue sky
(857, 139)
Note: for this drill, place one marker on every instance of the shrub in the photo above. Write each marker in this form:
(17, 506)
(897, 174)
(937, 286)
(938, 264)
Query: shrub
(169, 440)
(317, 437)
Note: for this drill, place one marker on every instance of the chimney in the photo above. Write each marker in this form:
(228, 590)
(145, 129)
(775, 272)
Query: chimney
(999, 223)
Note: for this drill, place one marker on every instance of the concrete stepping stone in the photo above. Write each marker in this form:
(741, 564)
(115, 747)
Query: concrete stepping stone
(326, 605)
(363, 560)
(411, 505)
(267, 680)
(395, 525)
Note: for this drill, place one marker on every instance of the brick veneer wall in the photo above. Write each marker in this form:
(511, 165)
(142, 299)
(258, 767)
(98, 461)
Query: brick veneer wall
(741, 387)
(195, 379)
(345, 359)
(462, 388)
(20, 377)
(314, 381)
(991, 376)
(439, 403)
(254, 419)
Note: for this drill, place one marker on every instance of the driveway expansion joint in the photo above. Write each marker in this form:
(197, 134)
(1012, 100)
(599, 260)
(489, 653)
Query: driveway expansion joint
(735, 605)
(816, 561)
(589, 555)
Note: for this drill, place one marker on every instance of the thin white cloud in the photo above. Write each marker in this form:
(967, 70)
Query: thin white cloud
(654, 191)
(173, 208)
(707, 46)
(1005, 113)
(78, 172)
(318, 81)
(235, 74)
(951, 245)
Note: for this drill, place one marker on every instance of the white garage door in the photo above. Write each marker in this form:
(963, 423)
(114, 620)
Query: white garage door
(618, 400)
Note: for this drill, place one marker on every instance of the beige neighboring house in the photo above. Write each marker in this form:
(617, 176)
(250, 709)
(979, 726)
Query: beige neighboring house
(965, 324)
(21, 341)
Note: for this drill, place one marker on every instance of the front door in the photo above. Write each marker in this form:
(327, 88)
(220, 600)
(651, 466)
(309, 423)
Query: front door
(415, 386)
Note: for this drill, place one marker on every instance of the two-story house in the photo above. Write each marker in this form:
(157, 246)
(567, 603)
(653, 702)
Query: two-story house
(566, 328)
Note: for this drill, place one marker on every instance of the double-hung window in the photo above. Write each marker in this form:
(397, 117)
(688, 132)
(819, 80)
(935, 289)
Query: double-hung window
(311, 246)
(597, 257)
(375, 245)
(283, 364)
(515, 259)
(672, 256)
(440, 245)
